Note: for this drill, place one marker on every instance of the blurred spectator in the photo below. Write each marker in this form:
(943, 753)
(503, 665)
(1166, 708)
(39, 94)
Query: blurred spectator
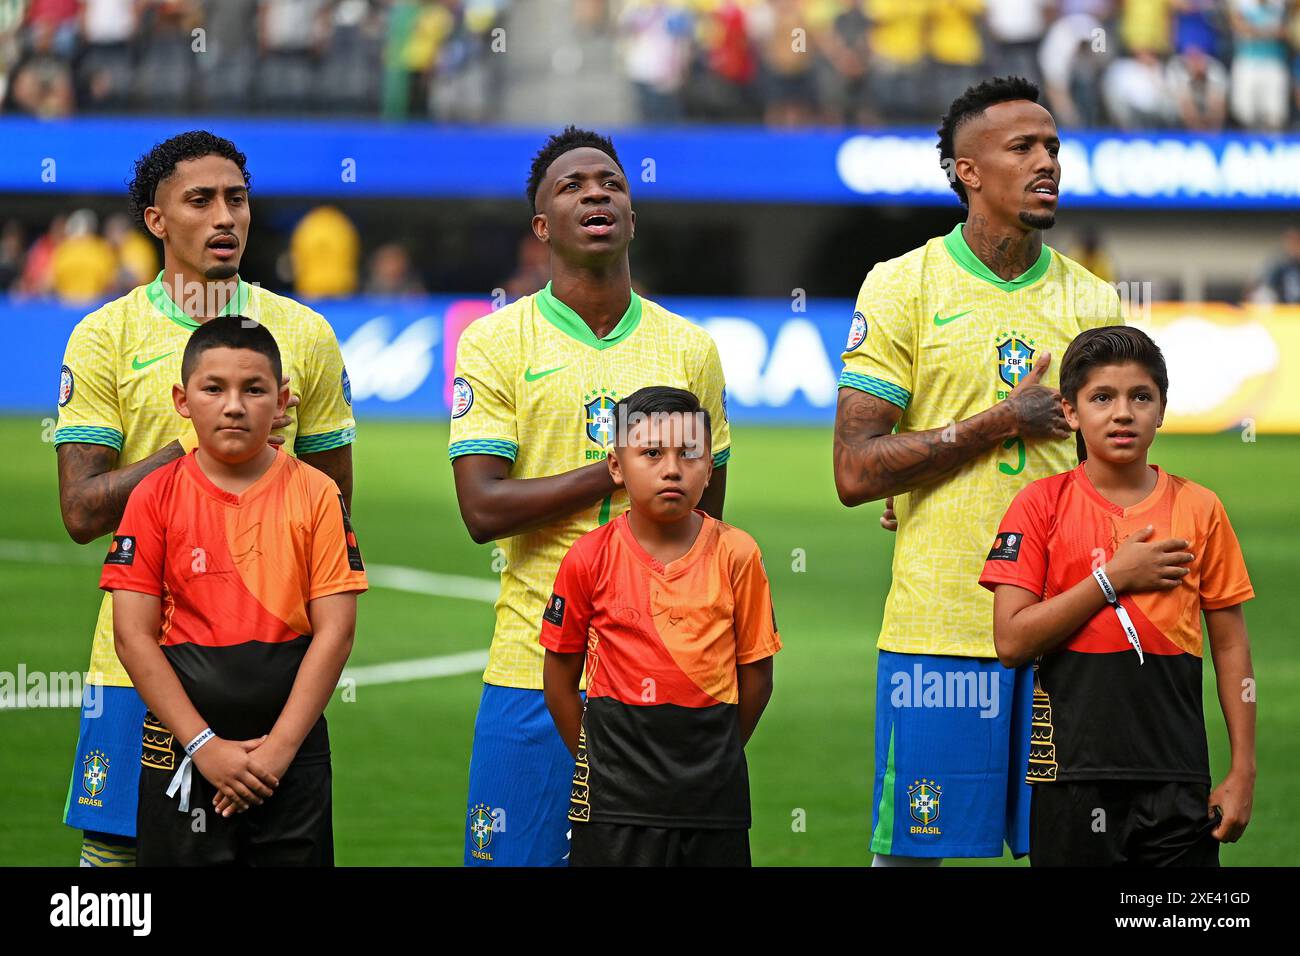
(348, 80)
(228, 64)
(1198, 85)
(137, 257)
(84, 267)
(164, 75)
(787, 44)
(462, 78)
(416, 31)
(897, 50)
(12, 245)
(37, 279)
(725, 70)
(656, 55)
(956, 49)
(41, 85)
(1260, 78)
(389, 272)
(1281, 280)
(51, 27)
(324, 251)
(1072, 68)
(845, 51)
(1197, 25)
(104, 70)
(290, 33)
(1135, 92)
(1017, 28)
(1146, 26)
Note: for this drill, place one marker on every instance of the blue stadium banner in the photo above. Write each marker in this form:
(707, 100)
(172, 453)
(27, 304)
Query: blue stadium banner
(693, 164)
(781, 357)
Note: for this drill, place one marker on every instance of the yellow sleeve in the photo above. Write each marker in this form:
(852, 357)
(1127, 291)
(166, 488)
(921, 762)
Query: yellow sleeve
(325, 403)
(711, 389)
(483, 397)
(88, 408)
(882, 339)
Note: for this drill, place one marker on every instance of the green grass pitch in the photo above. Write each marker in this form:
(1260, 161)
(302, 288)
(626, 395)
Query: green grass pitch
(401, 751)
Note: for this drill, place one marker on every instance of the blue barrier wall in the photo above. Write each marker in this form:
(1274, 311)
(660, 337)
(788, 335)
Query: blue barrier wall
(370, 159)
(781, 365)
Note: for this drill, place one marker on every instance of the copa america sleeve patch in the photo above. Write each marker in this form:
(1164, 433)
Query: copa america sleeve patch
(121, 550)
(1006, 547)
(857, 332)
(66, 386)
(554, 613)
(462, 397)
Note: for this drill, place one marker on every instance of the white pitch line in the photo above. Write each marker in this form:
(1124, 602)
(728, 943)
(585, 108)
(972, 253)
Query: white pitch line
(388, 576)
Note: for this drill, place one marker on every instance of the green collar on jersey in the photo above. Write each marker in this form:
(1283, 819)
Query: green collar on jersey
(961, 254)
(572, 325)
(157, 293)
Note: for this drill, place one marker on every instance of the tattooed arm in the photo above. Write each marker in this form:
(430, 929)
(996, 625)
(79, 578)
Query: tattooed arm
(93, 490)
(872, 463)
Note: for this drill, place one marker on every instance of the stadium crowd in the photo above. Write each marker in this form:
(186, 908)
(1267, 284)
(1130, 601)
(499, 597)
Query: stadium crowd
(1193, 64)
(397, 58)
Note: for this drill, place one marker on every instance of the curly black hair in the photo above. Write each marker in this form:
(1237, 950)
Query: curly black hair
(160, 162)
(557, 146)
(976, 99)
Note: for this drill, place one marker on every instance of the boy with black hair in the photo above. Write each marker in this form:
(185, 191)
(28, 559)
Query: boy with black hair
(670, 611)
(234, 575)
(1102, 573)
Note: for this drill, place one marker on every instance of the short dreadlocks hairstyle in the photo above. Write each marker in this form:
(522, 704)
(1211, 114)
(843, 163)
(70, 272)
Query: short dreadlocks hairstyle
(557, 146)
(160, 162)
(972, 103)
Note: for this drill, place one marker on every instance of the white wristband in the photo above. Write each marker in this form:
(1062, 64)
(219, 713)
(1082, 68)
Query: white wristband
(204, 736)
(1106, 587)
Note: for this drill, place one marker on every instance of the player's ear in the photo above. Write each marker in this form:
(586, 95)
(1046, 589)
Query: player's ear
(153, 221)
(615, 469)
(1071, 415)
(179, 402)
(282, 400)
(633, 236)
(540, 227)
(965, 170)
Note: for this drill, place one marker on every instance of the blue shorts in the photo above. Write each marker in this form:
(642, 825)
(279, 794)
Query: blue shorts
(105, 784)
(952, 749)
(520, 777)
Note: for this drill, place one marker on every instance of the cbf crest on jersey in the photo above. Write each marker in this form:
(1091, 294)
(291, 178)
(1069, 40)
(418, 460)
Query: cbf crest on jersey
(598, 414)
(94, 777)
(1015, 357)
(857, 332)
(923, 802)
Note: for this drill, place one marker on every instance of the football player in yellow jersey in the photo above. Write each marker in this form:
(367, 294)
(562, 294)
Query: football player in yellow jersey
(948, 402)
(532, 418)
(117, 424)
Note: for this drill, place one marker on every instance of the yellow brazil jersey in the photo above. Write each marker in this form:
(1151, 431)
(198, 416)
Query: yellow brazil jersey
(535, 385)
(117, 376)
(938, 334)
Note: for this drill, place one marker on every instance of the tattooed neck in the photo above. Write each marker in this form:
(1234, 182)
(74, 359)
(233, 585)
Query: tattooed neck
(1008, 252)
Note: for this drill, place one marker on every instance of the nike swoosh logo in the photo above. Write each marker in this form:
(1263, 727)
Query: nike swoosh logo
(531, 376)
(939, 321)
(137, 364)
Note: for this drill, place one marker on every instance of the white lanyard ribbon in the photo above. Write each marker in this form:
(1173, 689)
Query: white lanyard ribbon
(185, 772)
(1125, 622)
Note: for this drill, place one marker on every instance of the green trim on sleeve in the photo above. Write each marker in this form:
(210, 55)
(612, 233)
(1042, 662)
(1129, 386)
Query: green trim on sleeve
(483, 446)
(961, 254)
(310, 444)
(88, 435)
(876, 386)
(720, 458)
